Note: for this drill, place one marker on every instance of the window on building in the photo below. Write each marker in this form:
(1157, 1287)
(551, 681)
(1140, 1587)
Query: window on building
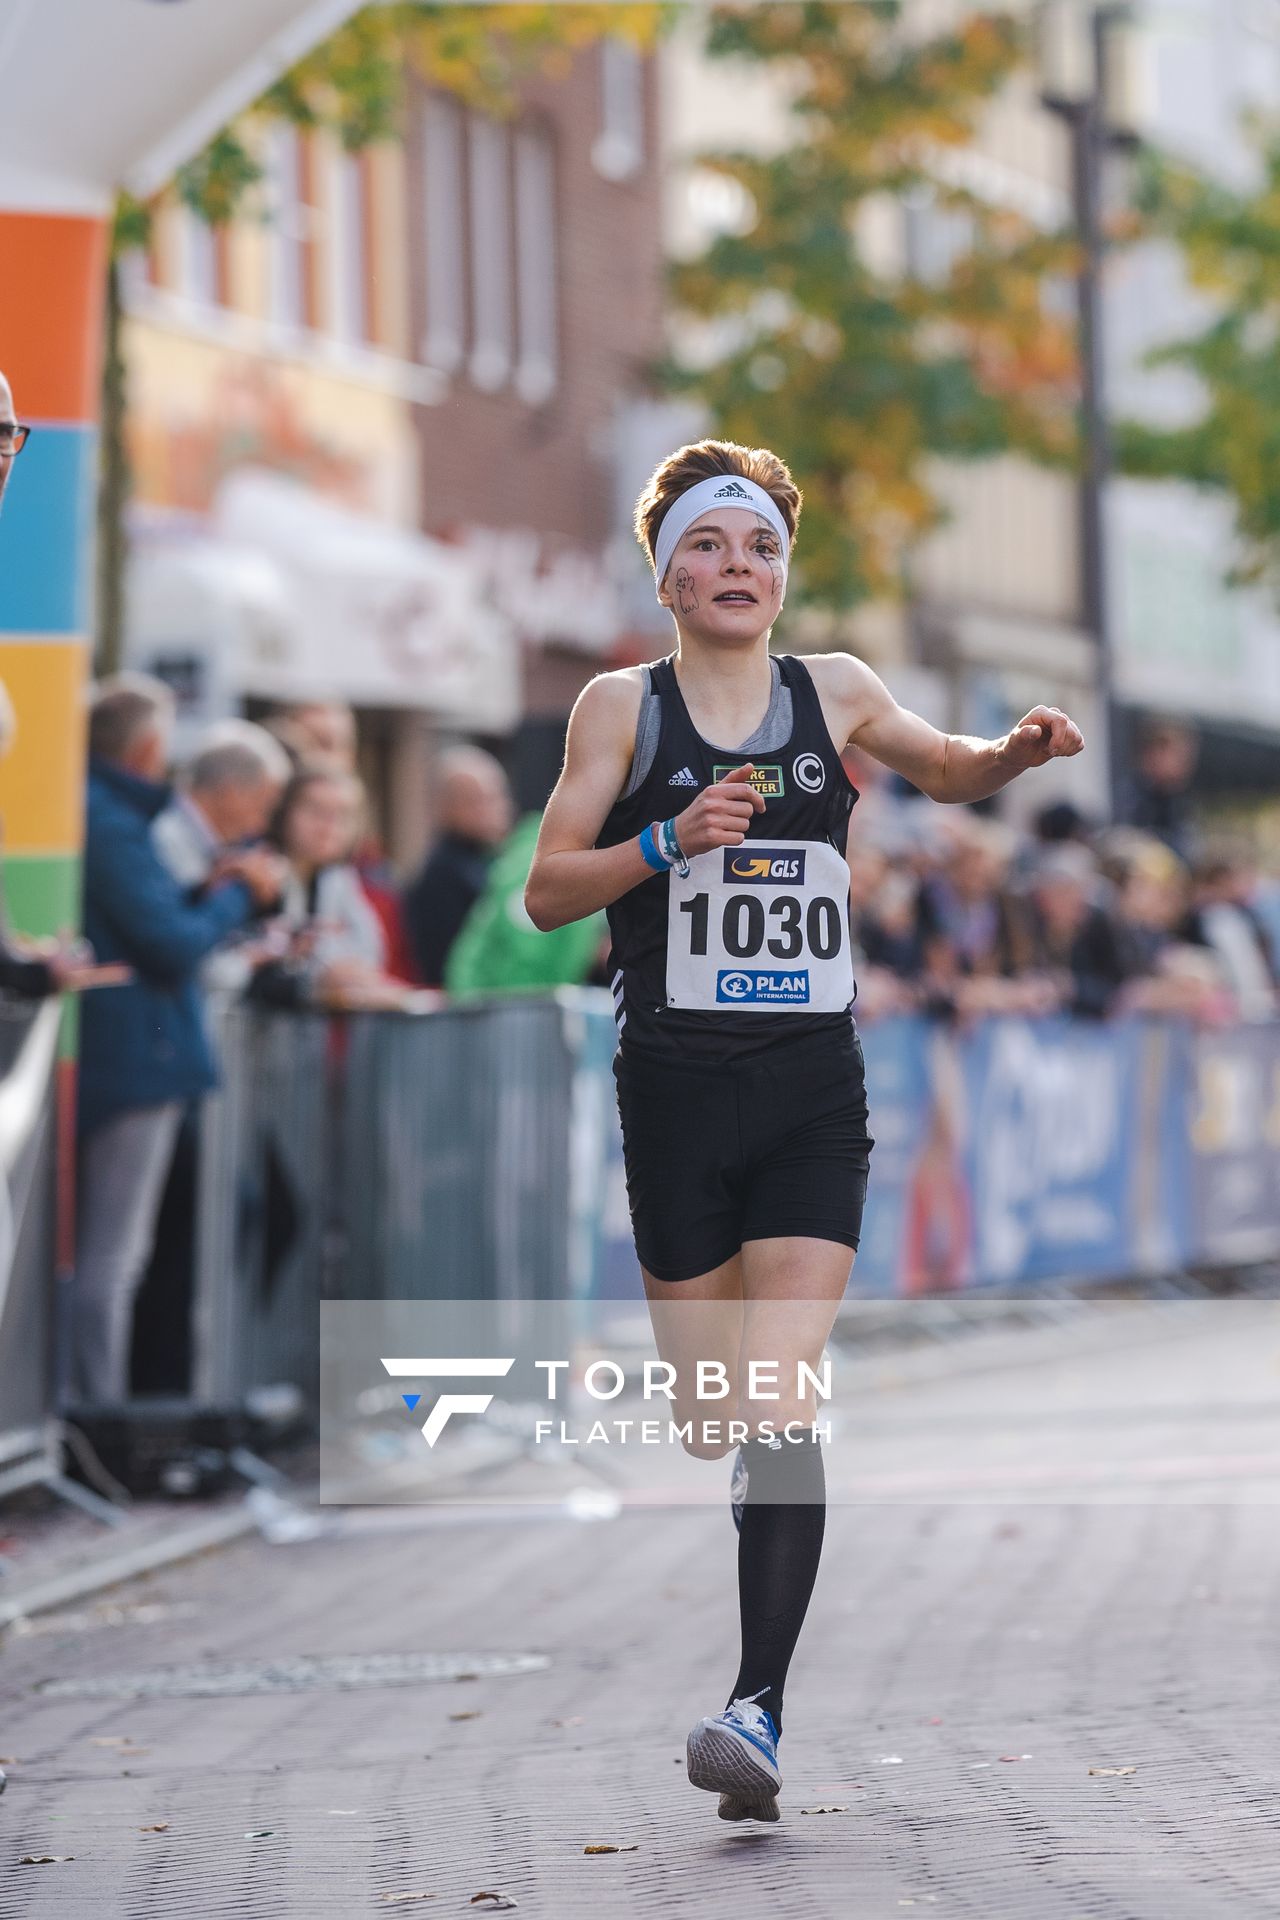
(491, 254)
(444, 343)
(537, 265)
(200, 249)
(350, 278)
(136, 271)
(618, 153)
(489, 181)
(292, 228)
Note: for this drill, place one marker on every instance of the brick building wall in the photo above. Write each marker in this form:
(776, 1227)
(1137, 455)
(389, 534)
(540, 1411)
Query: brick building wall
(496, 458)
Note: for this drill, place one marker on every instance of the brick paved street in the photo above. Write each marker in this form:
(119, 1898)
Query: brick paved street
(969, 1659)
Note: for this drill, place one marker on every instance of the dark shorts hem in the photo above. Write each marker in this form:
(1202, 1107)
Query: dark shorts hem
(672, 1276)
(841, 1236)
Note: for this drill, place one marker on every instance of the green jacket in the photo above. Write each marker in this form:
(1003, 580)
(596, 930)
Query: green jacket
(499, 950)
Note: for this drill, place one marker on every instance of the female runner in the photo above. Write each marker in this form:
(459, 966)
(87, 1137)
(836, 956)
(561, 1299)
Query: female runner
(703, 803)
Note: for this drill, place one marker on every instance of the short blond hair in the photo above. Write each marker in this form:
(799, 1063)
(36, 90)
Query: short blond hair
(707, 460)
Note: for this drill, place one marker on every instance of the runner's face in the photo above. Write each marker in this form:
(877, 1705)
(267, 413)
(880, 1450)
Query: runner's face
(725, 577)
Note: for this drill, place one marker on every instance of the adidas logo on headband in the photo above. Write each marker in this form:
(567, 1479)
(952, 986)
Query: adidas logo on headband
(731, 491)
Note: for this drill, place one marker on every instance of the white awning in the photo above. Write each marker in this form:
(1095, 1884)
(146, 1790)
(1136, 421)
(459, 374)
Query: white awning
(104, 93)
(297, 596)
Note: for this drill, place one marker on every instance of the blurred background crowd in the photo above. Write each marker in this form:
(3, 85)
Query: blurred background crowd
(963, 916)
(384, 365)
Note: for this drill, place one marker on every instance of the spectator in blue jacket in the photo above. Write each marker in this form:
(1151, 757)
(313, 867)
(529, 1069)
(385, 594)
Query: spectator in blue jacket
(144, 1052)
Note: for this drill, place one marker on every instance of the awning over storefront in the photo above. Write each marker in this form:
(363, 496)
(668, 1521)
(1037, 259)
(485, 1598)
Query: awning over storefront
(108, 93)
(288, 596)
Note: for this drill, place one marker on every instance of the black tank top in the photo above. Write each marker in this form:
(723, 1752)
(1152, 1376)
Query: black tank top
(754, 948)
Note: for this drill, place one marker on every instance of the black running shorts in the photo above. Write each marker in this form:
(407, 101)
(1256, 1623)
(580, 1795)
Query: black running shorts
(752, 1149)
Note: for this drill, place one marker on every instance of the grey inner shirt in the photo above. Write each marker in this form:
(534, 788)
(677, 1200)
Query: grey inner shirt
(773, 732)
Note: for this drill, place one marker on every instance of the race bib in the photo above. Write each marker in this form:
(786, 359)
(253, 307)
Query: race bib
(761, 928)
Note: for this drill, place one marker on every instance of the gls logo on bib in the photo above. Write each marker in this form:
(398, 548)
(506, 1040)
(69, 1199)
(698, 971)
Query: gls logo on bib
(764, 866)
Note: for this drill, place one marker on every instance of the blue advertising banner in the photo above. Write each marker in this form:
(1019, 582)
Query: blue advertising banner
(1049, 1146)
(1015, 1153)
(1234, 1138)
(908, 1246)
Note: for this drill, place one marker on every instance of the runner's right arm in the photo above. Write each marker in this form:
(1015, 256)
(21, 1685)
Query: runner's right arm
(570, 876)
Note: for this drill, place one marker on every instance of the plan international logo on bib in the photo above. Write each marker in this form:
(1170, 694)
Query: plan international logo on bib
(764, 866)
(749, 987)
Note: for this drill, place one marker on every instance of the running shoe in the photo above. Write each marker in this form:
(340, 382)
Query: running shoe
(736, 1806)
(735, 1754)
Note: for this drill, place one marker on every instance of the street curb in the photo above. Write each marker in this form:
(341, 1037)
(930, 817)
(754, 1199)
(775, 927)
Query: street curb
(110, 1571)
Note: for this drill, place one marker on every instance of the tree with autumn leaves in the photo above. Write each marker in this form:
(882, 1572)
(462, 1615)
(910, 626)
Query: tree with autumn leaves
(861, 374)
(1228, 237)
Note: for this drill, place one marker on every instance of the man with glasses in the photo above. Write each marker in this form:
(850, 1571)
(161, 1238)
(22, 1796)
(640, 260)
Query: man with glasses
(13, 438)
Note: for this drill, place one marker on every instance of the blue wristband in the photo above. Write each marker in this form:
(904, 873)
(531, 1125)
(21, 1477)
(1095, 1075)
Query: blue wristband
(648, 847)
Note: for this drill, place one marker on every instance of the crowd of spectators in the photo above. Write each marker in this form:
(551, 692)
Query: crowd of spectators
(247, 870)
(958, 916)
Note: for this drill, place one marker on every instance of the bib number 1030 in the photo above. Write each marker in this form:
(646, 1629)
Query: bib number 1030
(782, 926)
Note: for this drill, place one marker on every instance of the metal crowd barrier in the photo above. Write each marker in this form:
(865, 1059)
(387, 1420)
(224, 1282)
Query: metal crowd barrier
(474, 1153)
(28, 1164)
(379, 1157)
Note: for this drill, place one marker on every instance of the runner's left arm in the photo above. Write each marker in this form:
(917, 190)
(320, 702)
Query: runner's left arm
(945, 766)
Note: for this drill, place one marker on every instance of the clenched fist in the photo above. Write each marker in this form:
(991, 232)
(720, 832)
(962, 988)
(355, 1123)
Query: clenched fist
(1046, 733)
(720, 815)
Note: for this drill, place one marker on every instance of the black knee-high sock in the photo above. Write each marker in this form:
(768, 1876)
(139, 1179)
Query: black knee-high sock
(779, 1548)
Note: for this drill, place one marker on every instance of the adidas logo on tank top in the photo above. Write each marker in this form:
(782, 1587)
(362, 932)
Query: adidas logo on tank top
(685, 778)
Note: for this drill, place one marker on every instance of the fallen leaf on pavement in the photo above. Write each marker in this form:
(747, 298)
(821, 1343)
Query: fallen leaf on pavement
(260, 1833)
(1009, 1757)
(44, 1859)
(161, 1826)
(468, 1713)
(605, 1847)
(494, 1899)
(1112, 1773)
(9, 1760)
(824, 1809)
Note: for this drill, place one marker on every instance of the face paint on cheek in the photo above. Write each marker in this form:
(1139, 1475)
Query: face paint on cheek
(686, 596)
(771, 558)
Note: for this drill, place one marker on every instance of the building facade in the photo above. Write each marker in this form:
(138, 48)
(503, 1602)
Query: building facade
(536, 299)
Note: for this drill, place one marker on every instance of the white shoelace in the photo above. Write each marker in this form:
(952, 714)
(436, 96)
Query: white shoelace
(748, 1714)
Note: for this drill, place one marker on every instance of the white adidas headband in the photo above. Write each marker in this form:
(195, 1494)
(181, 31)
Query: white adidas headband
(723, 490)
